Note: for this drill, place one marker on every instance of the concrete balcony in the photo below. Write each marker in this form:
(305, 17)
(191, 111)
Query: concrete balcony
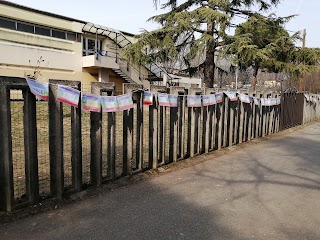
(101, 62)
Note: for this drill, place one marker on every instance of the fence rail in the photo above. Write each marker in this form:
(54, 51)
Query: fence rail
(50, 150)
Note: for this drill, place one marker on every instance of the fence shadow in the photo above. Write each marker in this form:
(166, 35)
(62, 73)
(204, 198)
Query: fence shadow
(143, 211)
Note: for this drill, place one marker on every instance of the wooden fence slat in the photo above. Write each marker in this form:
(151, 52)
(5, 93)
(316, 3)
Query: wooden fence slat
(231, 125)
(153, 128)
(31, 146)
(226, 120)
(76, 146)
(193, 126)
(128, 119)
(6, 165)
(220, 108)
(97, 88)
(56, 144)
(162, 135)
(56, 141)
(181, 126)
(173, 139)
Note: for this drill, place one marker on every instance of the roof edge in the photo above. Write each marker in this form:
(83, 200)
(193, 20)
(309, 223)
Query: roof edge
(11, 4)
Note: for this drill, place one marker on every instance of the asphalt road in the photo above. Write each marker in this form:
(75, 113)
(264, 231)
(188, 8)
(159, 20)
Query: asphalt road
(267, 190)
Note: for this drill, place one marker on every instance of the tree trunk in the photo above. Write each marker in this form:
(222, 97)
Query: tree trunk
(254, 80)
(209, 65)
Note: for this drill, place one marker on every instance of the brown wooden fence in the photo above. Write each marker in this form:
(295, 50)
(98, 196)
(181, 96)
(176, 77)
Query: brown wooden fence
(292, 105)
(50, 150)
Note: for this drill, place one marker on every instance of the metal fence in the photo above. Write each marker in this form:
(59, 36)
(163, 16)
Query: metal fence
(50, 150)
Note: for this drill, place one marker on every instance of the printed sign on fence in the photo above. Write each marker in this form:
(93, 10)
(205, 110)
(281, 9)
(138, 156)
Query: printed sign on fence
(256, 101)
(147, 98)
(244, 98)
(194, 100)
(90, 102)
(273, 101)
(267, 102)
(213, 99)
(125, 102)
(278, 101)
(68, 95)
(167, 100)
(219, 97)
(163, 99)
(109, 104)
(206, 100)
(232, 96)
(40, 90)
(173, 100)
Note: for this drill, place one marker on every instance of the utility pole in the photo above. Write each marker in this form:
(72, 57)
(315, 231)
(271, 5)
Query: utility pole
(304, 35)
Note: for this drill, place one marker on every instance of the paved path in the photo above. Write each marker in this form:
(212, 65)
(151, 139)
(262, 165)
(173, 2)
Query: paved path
(268, 190)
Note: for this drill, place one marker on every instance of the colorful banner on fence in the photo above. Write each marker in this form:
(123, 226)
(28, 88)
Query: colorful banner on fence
(219, 97)
(167, 100)
(147, 98)
(163, 100)
(40, 90)
(90, 102)
(244, 98)
(268, 102)
(194, 100)
(206, 100)
(109, 104)
(232, 96)
(125, 102)
(213, 99)
(256, 101)
(68, 95)
(173, 100)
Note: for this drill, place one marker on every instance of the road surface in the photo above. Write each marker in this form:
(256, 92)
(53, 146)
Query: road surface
(262, 190)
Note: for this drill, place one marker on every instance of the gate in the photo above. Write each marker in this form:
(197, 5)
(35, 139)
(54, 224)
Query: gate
(291, 110)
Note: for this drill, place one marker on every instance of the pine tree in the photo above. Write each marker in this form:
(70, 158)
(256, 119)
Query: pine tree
(263, 42)
(199, 26)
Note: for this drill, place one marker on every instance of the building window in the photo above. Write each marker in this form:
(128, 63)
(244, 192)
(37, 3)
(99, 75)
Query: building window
(4, 23)
(91, 46)
(39, 30)
(58, 34)
(71, 36)
(25, 27)
(43, 31)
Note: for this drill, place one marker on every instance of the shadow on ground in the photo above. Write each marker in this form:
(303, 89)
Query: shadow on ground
(270, 190)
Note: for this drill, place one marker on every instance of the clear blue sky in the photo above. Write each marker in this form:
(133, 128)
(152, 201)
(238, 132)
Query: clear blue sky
(131, 16)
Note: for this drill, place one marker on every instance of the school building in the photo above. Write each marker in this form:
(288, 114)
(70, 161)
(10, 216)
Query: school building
(50, 46)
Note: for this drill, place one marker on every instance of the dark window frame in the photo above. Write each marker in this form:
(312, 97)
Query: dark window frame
(69, 36)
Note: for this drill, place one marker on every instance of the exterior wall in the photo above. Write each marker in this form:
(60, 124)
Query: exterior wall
(41, 19)
(21, 51)
(60, 58)
(118, 84)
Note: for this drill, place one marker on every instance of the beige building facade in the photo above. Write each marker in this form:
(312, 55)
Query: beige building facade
(50, 46)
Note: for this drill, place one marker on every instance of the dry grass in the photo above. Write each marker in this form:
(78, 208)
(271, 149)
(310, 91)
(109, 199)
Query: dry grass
(43, 145)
